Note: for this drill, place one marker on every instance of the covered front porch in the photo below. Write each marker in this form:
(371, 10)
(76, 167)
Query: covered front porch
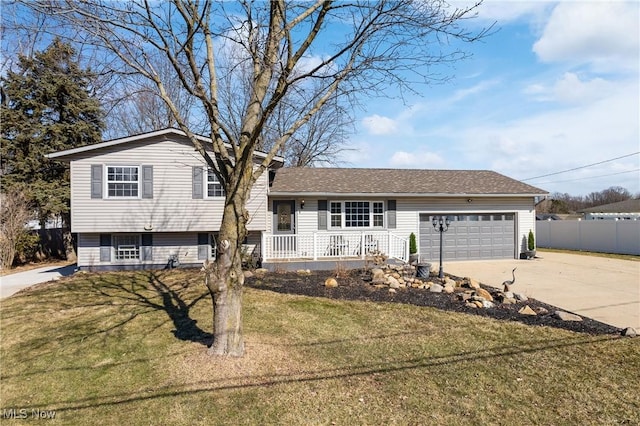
(321, 246)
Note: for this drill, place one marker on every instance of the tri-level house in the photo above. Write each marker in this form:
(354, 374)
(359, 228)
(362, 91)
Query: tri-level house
(148, 201)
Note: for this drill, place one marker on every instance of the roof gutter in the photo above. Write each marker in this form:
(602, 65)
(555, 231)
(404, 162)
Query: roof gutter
(396, 194)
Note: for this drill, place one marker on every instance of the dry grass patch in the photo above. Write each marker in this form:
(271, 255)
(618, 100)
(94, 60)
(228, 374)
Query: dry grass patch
(131, 348)
(593, 253)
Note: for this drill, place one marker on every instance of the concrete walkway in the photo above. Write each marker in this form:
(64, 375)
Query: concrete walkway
(10, 284)
(607, 290)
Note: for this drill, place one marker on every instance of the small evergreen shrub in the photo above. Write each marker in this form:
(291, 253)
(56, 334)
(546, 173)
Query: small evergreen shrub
(531, 245)
(413, 246)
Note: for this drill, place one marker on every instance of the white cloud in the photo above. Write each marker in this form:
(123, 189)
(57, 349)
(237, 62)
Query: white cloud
(307, 63)
(571, 89)
(563, 138)
(462, 94)
(419, 159)
(379, 125)
(601, 34)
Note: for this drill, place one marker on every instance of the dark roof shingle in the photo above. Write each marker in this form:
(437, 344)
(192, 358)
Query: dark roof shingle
(627, 206)
(299, 180)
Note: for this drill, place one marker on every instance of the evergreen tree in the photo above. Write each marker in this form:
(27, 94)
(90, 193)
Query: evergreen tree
(46, 107)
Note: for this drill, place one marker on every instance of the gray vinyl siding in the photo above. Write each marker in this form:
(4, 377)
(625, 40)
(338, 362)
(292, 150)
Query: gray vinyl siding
(172, 208)
(184, 245)
(408, 211)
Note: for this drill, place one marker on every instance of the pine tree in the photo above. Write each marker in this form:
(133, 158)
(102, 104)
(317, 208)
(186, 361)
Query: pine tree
(46, 107)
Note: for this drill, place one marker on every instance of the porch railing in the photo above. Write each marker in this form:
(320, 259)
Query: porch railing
(344, 244)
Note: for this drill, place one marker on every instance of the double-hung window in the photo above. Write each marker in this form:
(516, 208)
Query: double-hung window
(214, 187)
(127, 246)
(123, 181)
(357, 214)
(378, 214)
(336, 214)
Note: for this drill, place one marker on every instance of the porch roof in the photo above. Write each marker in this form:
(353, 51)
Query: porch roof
(408, 182)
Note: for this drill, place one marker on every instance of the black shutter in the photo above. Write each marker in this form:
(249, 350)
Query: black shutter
(197, 183)
(96, 181)
(322, 215)
(105, 247)
(147, 181)
(146, 249)
(203, 246)
(391, 214)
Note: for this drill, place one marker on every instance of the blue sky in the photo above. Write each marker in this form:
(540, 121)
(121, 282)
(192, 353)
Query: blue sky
(556, 88)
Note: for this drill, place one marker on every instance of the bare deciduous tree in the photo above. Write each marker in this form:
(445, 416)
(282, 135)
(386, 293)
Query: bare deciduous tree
(246, 62)
(15, 212)
(138, 108)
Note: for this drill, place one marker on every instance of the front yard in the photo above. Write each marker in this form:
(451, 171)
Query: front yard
(130, 348)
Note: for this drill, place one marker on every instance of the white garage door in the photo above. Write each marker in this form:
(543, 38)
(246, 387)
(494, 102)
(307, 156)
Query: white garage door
(470, 236)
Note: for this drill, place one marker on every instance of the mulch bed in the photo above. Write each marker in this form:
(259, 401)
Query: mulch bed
(354, 287)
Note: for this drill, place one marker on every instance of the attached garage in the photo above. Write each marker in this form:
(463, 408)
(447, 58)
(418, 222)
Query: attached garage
(470, 236)
(491, 214)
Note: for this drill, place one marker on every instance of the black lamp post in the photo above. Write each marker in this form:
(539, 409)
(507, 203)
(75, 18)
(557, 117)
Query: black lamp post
(441, 224)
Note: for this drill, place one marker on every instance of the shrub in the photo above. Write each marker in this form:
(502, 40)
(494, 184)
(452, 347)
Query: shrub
(413, 246)
(531, 245)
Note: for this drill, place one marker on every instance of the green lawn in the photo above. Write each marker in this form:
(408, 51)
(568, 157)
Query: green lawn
(127, 348)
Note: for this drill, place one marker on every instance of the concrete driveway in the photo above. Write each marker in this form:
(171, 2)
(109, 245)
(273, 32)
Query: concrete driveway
(10, 284)
(607, 290)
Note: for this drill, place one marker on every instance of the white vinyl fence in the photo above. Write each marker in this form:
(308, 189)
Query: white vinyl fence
(606, 236)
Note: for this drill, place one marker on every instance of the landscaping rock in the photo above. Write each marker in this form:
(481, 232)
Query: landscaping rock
(566, 316)
(488, 304)
(330, 282)
(247, 274)
(629, 332)
(541, 311)
(464, 296)
(377, 274)
(436, 288)
(392, 290)
(526, 310)
(484, 294)
(303, 272)
(449, 282)
(521, 297)
(471, 283)
(393, 282)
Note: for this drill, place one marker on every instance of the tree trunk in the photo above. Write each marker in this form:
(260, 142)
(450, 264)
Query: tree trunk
(67, 238)
(225, 281)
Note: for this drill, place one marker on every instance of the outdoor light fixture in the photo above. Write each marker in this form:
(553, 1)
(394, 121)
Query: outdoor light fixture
(441, 224)
(302, 204)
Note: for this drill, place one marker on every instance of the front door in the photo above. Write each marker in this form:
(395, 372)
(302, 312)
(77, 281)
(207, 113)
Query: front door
(284, 228)
(284, 217)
